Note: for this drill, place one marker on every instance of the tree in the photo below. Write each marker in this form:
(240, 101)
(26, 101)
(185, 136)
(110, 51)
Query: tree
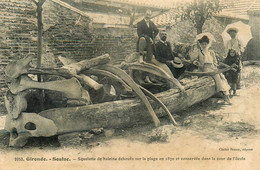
(198, 11)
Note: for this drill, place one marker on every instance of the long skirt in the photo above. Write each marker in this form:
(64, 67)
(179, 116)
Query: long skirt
(220, 80)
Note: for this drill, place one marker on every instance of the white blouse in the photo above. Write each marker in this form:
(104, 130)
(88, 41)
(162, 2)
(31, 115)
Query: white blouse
(234, 44)
(204, 57)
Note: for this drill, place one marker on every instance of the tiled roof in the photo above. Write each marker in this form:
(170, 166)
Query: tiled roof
(238, 9)
(234, 9)
(166, 19)
(160, 4)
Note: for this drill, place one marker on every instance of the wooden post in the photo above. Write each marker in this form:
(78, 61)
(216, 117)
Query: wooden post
(132, 17)
(40, 29)
(39, 44)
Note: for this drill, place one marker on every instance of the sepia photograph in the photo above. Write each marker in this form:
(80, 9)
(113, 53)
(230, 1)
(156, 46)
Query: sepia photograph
(130, 84)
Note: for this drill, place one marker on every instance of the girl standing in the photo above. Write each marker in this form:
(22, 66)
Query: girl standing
(231, 75)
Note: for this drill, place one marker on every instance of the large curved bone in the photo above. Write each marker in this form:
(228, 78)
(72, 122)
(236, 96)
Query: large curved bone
(15, 104)
(152, 96)
(116, 78)
(15, 68)
(153, 69)
(211, 73)
(70, 87)
(146, 92)
(95, 71)
(123, 75)
(119, 85)
(28, 125)
(149, 68)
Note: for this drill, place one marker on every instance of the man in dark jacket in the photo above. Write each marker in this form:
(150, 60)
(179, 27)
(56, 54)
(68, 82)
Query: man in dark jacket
(164, 52)
(146, 31)
(165, 55)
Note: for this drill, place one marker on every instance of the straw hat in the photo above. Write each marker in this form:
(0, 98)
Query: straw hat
(232, 29)
(177, 63)
(204, 39)
(207, 34)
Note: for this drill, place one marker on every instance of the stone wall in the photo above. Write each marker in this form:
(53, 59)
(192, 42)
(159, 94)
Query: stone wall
(71, 35)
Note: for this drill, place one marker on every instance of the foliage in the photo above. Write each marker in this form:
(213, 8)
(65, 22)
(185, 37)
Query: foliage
(198, 11)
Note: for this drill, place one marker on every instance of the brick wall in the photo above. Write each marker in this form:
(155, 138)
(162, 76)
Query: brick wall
(17, 34)
(66, 33)
(71, 35)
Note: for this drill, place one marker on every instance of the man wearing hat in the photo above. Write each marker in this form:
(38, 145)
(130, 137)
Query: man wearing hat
(165, 55)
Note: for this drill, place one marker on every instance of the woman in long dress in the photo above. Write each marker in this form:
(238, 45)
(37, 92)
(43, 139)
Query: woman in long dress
(207, 62)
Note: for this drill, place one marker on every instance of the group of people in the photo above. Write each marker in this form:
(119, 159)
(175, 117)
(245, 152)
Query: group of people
(161, 55)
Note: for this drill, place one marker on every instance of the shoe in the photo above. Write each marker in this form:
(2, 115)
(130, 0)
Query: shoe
(227, 100)
(230, 92)
(236, 94)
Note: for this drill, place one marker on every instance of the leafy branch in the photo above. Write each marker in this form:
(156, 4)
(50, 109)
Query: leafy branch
(198, 11)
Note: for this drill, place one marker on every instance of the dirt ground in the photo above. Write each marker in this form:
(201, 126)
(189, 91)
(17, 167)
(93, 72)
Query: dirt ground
(209, 131)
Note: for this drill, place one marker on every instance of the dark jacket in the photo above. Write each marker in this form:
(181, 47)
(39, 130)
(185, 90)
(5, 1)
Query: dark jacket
(232, 76)
(163, 52)
(144, 31)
